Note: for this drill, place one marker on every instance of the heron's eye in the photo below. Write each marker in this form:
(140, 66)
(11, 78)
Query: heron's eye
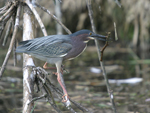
(90, 33)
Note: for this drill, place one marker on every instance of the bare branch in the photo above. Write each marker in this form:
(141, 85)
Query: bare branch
(12, 41)
(37, 17)
(55, 18)
(110, 92)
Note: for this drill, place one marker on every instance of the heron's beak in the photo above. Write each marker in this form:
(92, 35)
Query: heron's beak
(99, 37)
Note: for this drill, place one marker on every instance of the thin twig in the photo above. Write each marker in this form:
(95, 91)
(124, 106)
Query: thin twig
(8, 11)
(106, 44)
(110, 92)
(12, 41)
(54, 17)
(37, 17)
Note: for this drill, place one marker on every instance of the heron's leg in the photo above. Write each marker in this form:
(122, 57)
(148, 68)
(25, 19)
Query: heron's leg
(62, 84)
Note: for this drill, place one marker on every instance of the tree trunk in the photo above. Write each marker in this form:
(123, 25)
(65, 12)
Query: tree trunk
(28, 78)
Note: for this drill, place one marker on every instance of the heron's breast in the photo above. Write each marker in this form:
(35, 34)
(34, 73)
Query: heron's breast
(75, 51)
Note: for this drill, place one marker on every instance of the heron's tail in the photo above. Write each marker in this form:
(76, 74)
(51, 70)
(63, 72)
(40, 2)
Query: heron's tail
(22, 47)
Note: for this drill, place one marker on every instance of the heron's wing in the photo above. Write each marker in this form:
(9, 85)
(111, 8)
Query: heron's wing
(58, 49)
(45, 47)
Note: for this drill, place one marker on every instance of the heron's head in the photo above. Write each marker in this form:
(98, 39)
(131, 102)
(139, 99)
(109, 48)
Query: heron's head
(86, 35)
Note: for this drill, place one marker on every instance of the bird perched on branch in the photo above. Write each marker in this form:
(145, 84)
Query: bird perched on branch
(56, 48)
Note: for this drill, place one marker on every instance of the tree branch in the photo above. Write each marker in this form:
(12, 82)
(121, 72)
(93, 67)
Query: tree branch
(110, 92)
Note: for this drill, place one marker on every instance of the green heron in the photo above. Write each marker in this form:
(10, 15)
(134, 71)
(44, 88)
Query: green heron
(56, 48)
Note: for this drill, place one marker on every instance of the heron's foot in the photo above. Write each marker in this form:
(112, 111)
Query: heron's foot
(65, 98)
